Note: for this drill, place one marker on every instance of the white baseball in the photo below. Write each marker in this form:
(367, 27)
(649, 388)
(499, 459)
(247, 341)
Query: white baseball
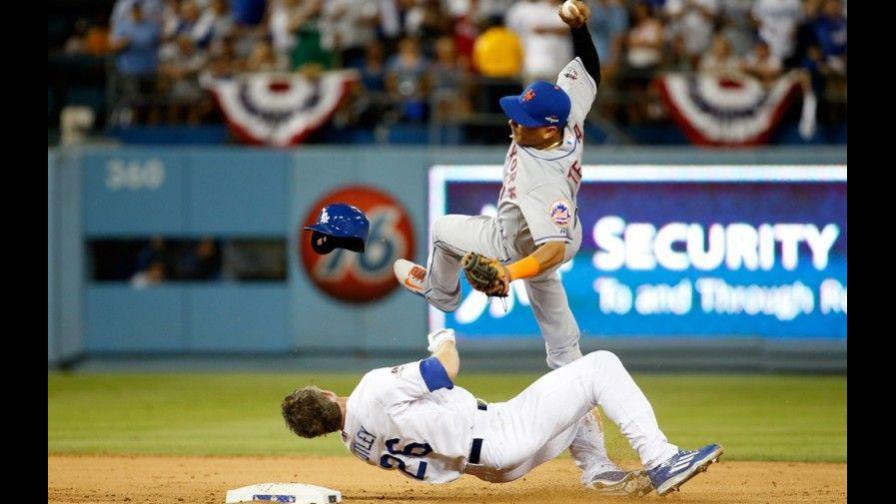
(569, 9)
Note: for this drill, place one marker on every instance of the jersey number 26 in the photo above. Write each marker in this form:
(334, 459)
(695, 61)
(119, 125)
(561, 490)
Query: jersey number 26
(409, 450)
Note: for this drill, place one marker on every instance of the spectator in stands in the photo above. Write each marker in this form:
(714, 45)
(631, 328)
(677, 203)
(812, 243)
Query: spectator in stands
(426, 21)
(296, 30)
(498, 58)
(75, 44)
(762, 64)
(488, 9)
(373, 72)
(215, 23)
(736, 23)
(644, 53)
(87, 39)
(406, 80)
(719, 61)
(676, 57)
(154, 274)
(201, 261)
(151, 9)
(389, 29)
(498, 51)
(608, 25)
(824, 76)
(644, 42)
(450, 82)
(156, 250)
(264, 59)
(370, 101)
(249, 25)
(189, 23)
(170, 19)
(347, 26)
(181, 63)
(805, 34)
(223, 62)
(547, 46)
(248, 13)
(136, 40)
(777, 20)
(830, 30)
(465, 30)
(694, 22)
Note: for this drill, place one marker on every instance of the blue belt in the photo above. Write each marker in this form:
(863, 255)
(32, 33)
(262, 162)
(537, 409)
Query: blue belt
(476, 449)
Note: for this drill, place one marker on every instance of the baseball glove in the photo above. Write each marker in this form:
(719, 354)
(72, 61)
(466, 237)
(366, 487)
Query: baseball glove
(486, 274)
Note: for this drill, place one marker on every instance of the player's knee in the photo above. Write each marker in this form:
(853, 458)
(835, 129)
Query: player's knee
(440, 227)
(446, 305)
(559, 357)
(605, 358)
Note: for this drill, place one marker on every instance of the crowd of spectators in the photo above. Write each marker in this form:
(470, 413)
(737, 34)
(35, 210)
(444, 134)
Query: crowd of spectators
(445, 58)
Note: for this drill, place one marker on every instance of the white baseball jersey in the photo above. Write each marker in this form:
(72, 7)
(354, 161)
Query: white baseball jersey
(537, 203)
(413, 419)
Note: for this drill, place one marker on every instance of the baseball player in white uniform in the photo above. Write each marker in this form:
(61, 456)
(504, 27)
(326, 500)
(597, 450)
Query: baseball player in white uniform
(413, 418)
(536, 230)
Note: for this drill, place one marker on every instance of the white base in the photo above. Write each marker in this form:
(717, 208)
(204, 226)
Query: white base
(294, 493)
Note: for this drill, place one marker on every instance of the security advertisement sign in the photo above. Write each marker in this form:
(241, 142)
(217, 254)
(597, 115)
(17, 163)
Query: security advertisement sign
(679, 251)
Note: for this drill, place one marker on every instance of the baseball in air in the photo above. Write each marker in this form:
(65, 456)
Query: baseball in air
(569, 10)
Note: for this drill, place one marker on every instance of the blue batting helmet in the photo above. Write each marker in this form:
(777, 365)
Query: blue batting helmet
(339, 225)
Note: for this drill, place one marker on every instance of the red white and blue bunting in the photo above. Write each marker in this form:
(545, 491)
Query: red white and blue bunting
(280, 109)
(724, 110)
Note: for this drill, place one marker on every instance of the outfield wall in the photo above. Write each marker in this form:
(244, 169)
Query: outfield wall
(235, 192)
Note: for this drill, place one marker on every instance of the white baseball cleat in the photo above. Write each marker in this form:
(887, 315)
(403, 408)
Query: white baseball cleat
(628, 483)
(410, 275)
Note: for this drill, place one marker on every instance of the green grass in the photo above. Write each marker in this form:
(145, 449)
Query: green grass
(798, 418)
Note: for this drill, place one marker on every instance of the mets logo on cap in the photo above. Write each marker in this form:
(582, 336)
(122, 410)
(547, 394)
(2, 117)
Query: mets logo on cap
(360, 276)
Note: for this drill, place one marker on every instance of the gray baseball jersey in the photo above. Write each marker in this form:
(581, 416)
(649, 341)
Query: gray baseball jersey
(537, 203)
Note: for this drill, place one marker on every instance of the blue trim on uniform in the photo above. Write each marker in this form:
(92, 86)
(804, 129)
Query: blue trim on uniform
(546, 238)
(573, 151)
(434, 374)
(585, 70)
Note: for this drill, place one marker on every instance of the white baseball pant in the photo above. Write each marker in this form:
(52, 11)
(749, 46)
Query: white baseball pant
(540, 422)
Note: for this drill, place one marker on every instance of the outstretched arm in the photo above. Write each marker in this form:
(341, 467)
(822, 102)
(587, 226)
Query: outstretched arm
(443, 347)
(448, 356)
(582, 45)
(546, 256)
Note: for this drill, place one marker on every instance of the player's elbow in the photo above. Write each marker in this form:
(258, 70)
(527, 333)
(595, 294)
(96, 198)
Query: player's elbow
(553, 253)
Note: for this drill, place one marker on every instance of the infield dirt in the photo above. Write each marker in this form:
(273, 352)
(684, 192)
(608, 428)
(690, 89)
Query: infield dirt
(171, 479)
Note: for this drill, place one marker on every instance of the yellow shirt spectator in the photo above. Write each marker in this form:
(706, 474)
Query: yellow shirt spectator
(498, 53)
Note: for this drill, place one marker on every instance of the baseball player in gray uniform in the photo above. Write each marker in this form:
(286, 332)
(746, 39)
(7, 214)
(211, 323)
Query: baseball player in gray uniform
(413, 418)
(536, 229)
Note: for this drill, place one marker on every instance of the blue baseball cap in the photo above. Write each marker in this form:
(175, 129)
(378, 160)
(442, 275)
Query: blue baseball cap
(540, 104)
